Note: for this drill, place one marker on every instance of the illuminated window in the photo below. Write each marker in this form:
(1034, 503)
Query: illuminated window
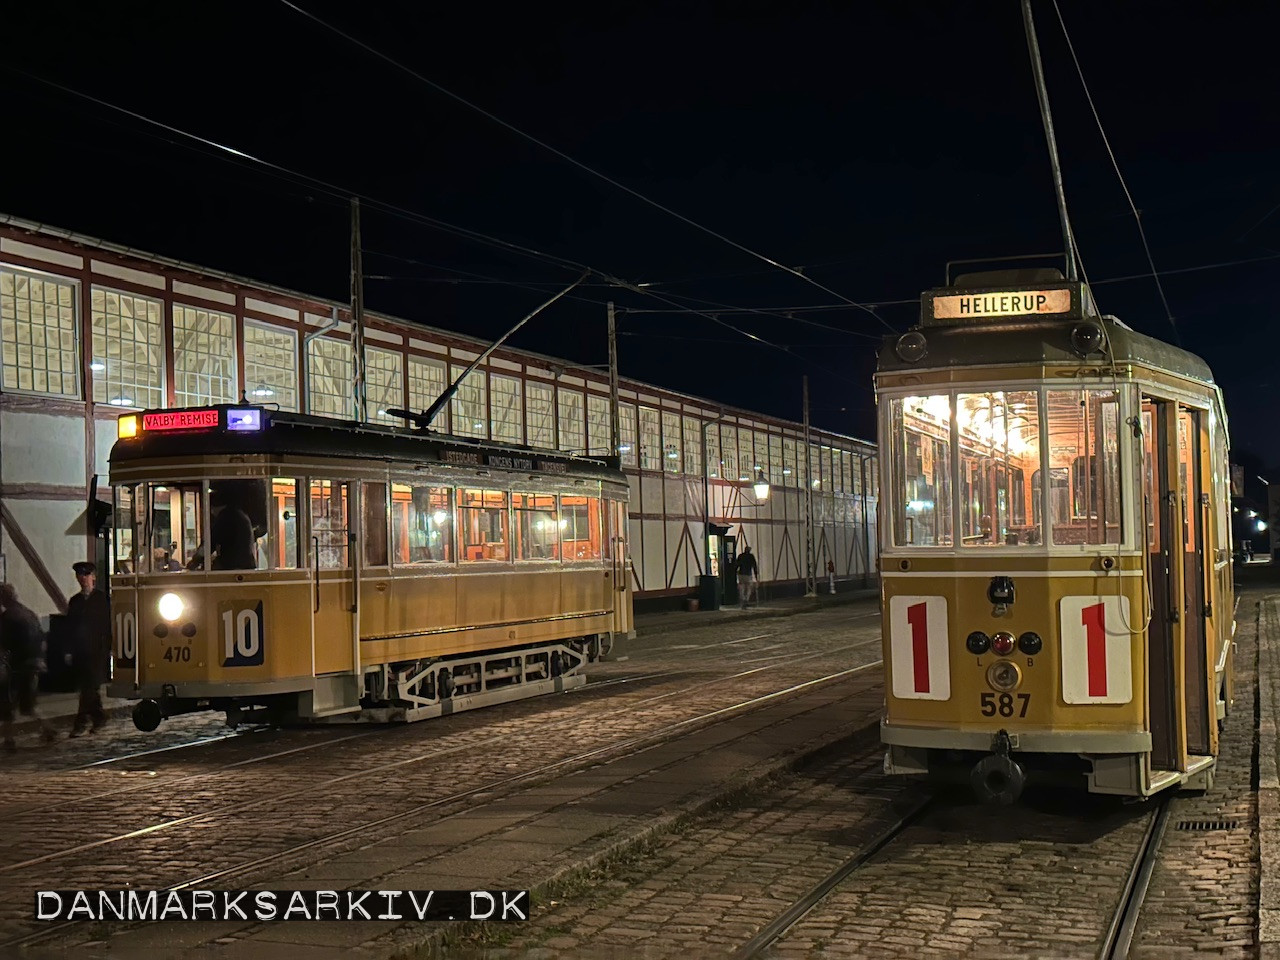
(204, 356)
(573, 421)
(329, 378)
(38, 335)
(470, 418)
(713, 449)
(761, 453)
(270, 365)
(792, 473)
(504, 404)
(599, 429)
(537, 526)
(692, 447)
(776, 466)
(540, 412)
(580, 527)
(373, 511)
(329, 523)
(671, 445)
(1084, 467)
(421, 524)
(650, 440)
(816, 479)
(999, 449)
(384, 389)
(729, 451)
(128, 350)
(426, 383)
(627, 442)
(919, 432)
(482, 525)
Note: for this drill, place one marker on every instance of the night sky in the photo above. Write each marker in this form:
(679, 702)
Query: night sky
(868, 143)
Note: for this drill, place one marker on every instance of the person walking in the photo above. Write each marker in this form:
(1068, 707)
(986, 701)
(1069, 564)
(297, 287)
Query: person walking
(89, 621)
(746, 569)
(21, 661)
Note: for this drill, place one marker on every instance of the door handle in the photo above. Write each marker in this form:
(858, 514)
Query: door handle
(315, 570)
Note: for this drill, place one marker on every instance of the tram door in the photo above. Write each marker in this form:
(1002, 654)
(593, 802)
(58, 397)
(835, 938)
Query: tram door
(1194, 501)
(1164, 562)
(332, 575)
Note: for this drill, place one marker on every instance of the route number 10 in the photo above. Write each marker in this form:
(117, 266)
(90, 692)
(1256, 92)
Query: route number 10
(242, 640)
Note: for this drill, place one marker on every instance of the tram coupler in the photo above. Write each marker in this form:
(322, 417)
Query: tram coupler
(996, 778)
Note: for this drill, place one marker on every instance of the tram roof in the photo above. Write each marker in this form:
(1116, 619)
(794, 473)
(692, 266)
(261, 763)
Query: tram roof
(296, 434)
(1026, 323)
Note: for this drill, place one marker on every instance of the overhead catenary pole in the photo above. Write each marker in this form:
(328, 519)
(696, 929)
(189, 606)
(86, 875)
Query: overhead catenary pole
(810, 554)
(615, 437)
(357, 316)
(1068, 241)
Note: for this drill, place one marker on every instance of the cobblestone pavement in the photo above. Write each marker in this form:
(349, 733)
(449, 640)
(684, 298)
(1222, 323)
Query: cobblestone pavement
(1039, 879)
(196, 811)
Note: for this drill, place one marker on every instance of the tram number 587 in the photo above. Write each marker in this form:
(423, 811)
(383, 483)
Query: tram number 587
(242, 635)
(1004, 704)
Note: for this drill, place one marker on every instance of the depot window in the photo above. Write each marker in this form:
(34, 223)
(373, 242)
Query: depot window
(38, 335)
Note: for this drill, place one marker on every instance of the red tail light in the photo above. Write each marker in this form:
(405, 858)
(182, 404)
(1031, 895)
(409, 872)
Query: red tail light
(1002, 643)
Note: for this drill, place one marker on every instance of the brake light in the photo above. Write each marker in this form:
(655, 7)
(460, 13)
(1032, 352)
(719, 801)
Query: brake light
(1002, 643)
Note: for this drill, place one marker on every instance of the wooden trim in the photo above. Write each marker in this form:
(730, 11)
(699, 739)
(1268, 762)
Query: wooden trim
(43, 491)
(28, 551)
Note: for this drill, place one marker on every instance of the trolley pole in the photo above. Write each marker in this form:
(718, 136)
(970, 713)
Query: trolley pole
(1068, 240)
(357, 315)
(615, 436)
(810, 556)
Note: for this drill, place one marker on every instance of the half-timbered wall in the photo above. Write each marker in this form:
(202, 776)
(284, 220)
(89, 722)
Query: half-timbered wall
(88, 331)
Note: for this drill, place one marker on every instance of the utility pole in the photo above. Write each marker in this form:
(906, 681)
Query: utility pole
(615, 436)
(357, 315)
(810, 557)
(1068, 240)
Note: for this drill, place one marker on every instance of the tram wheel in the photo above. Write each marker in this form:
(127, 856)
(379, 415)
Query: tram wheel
(147, 715)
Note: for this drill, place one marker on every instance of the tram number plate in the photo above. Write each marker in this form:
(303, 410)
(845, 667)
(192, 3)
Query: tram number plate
(1005, 705)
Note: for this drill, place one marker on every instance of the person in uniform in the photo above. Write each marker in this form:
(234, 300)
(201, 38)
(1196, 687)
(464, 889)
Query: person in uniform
(89, 620)
(21, 661)
(746, 569)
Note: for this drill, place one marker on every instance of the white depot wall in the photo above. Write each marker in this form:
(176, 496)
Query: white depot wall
(41, 448)
(56, 527)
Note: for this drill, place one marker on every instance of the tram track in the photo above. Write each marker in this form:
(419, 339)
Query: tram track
(235, 809)
(381, 729)
(1124, 921)
(490, 790)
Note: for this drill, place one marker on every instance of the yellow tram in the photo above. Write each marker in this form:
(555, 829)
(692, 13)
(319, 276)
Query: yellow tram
(287, 567)
(1056, 584)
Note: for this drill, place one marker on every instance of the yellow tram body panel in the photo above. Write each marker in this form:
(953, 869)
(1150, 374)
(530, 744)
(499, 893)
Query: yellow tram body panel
(1037, 609)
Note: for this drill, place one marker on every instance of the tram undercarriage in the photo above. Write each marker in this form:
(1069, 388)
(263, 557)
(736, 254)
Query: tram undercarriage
(395, 692)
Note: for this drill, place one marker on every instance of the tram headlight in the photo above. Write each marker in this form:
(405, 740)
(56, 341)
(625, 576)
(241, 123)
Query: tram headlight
(1086, 338)
(1003, 675)
(911, 347)
(170, 606)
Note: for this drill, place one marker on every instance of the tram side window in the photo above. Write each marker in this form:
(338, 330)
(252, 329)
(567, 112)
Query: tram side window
(920, 435)
(999, 442)
(580, 525)
(1084, 445)
(537, 526)
(329, 523)
(373, 512)
(127, 520)
(482, 525)
(282, 546)
(421, 524)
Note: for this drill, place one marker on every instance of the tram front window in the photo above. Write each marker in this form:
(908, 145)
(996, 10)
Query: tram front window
(170, 528)
(920, 440)
(1084, 461)
(999, 445)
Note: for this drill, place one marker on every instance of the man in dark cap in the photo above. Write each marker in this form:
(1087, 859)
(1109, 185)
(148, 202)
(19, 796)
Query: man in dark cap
(89, 623)
(21, 655)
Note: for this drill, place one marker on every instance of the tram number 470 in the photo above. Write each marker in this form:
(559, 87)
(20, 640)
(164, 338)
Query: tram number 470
(242, 635)
(1004, 704)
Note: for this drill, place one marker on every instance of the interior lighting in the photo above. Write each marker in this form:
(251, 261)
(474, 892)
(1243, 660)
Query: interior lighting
(97, 366)
(439, 517)
(1262, 525)
(121, 401)
(761, 486)
(263, 391)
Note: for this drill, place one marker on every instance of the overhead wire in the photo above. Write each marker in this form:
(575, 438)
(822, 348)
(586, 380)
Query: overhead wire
(373, 51)
(1116, 166)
